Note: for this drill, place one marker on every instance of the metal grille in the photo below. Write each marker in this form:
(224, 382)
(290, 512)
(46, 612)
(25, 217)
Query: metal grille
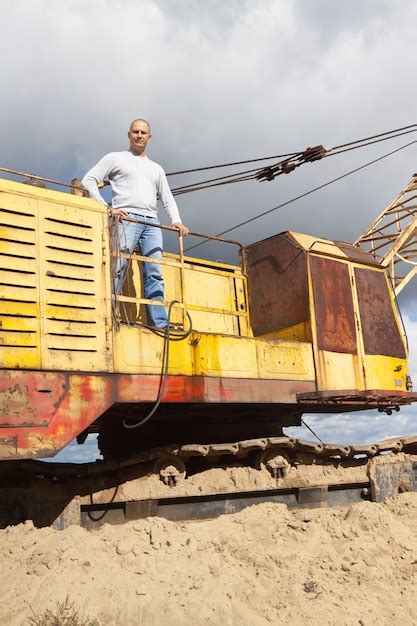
(70, 289)
(19, 297)
(54, 303)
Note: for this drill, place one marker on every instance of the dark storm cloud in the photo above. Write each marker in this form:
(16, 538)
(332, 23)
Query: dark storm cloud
(219, 81)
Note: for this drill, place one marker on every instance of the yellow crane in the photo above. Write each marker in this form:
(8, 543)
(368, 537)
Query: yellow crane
(302, 324)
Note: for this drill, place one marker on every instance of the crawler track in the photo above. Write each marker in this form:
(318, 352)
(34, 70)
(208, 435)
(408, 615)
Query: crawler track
(196, 481)
(239, 449)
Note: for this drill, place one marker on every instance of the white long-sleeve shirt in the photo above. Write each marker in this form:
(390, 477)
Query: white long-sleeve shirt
(137, 184)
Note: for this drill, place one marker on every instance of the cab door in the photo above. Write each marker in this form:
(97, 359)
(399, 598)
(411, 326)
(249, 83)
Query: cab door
(382, 337)
(335, 326)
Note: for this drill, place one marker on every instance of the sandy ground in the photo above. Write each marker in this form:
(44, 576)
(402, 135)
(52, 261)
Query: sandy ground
(264, 565)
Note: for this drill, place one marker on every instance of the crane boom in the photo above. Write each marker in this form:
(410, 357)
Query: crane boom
(392, 237)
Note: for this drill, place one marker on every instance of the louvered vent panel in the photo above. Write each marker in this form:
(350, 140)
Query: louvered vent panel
(19, 283)
(74, 297)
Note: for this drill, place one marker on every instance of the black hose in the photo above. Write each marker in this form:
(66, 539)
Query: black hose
(165, 364)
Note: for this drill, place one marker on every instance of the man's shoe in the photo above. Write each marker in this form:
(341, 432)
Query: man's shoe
(178, 328)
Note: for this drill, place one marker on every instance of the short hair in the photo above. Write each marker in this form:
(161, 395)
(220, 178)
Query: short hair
(139, 119)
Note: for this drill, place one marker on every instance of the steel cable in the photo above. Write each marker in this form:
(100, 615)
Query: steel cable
(211, 180)
(388, 132)
(213, 167)
(312, 431)
(294, 154)
(295, 160)
(303, 195)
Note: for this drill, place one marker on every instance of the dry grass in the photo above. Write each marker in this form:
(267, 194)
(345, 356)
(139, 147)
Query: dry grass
(64, 614)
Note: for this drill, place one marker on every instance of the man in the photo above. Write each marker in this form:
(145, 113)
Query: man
(137, 183)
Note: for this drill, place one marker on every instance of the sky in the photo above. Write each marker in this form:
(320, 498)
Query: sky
(223, 81)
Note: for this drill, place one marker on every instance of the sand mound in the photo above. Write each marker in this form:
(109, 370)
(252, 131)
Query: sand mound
(264, 565)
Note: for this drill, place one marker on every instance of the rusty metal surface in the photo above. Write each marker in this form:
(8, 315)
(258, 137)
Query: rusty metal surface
(48, 410)
(277, 283)
(30, 399)
(143, 388)
(372, 397)
(88, 396)
(71, 402)
(379, 327)
(389, 479)
(333, 305)
(354, 253)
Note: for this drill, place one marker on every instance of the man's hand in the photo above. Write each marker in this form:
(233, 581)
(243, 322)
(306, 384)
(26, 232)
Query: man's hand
(117, 213)
(183, 229)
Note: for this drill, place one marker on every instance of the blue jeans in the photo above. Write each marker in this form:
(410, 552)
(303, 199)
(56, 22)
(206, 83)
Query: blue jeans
(151, 244)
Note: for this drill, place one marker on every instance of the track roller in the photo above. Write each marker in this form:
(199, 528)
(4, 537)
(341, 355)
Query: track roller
(170, 468)
(277, 463)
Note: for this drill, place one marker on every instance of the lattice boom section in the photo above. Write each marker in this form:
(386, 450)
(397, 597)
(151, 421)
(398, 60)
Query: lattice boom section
(389, 228)
(392, 238)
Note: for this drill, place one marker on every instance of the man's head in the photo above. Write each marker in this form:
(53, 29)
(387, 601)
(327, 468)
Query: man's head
(139, 135)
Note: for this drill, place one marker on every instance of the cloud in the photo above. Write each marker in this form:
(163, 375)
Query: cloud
(360, 427)
(219, 82)
(75, 453)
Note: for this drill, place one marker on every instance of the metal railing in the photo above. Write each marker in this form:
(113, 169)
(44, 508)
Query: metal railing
(182, 262)
(177, 260)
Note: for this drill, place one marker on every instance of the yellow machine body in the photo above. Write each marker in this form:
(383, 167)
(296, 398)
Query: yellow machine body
(58, 315)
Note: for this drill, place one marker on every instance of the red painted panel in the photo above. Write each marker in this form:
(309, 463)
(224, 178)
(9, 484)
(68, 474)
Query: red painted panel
(72, 401)
(44, 418)
(30, 398)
